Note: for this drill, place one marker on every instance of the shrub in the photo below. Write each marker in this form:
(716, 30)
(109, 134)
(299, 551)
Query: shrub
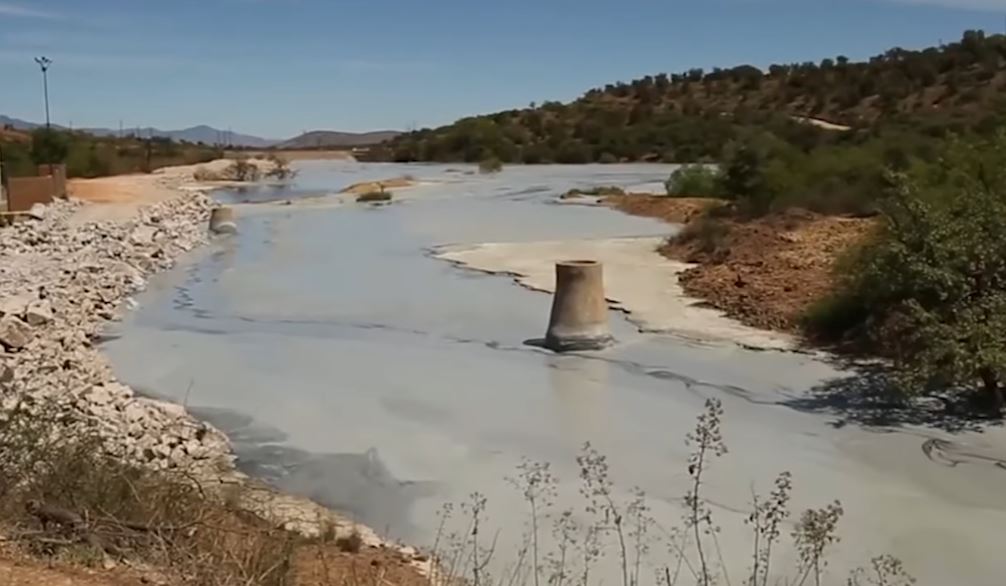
(204, 174)
(929, 291)
(490, 165)
(351, 543)
(600, 191)
(88, 506)
(89, 162)
(708, 232)
(694, 181)
(374, 196)
(280, 168)
(243, 171)
(49, 146)
(565, 546)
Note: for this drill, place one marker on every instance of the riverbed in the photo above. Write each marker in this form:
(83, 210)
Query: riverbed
(351, 365)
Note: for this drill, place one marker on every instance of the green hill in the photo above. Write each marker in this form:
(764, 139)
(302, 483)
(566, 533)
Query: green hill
(690, 116)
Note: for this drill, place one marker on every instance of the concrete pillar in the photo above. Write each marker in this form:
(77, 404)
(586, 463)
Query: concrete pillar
(579, 318)
(222, 221)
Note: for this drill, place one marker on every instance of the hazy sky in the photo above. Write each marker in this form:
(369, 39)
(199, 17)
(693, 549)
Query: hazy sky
(276, 67)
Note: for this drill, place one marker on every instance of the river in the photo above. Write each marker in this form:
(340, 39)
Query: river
(349, 365)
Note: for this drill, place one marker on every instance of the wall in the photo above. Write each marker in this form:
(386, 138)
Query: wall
(58, 173)
(24, 192)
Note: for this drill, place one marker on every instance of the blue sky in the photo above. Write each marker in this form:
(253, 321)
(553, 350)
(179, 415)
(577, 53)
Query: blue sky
(276, 67)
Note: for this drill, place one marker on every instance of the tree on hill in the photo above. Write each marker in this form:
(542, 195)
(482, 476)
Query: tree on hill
(951, 87)
(49, 146)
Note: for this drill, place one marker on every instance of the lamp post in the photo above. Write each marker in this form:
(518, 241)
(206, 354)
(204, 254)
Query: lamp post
(44, 63)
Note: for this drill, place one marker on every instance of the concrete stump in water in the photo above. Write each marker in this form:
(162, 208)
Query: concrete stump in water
(222, 221)
(579, 319)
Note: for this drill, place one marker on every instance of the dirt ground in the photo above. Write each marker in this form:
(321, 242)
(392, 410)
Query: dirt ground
(313, 565)
(373, 566)
(764, 272)
(676, 210)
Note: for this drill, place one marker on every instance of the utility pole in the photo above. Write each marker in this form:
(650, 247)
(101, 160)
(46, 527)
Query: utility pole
(44, 63)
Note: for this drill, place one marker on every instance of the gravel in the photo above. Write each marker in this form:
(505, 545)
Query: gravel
(60, 282)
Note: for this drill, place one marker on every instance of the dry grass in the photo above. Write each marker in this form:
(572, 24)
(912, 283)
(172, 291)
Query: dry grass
(675, 210)
(62, 500)
(565, 546)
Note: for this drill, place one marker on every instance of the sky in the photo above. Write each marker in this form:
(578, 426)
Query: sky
(274, 68)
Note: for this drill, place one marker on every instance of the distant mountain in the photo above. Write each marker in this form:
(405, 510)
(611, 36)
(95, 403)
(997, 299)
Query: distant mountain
(329, 138)
(209, 135)
(16, 123)
(203, 133)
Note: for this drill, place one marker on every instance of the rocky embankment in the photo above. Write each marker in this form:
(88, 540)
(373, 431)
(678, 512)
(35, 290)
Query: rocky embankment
(62, 279)
(60, 282)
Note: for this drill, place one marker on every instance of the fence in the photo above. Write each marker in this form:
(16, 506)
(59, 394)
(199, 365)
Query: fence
(24, 192)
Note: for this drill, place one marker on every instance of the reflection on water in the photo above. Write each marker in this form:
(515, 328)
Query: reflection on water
(581, 392)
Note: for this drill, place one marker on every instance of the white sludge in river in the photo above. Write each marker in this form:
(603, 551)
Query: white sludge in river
(349, 364)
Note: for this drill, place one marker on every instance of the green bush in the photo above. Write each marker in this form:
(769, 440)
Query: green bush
(929, 292)
(490, 165)
(49, 146)
(86, 155)
(17, 160)
(694, 181)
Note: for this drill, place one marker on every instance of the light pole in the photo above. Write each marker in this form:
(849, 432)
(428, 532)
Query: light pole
(44, 63)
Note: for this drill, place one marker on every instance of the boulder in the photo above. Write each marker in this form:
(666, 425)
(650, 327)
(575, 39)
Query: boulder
(14, 333)
(15, 305)
(143, 235)
(6, 373)
(39, 312)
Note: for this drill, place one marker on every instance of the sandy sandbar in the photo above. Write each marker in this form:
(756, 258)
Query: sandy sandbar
(638, 281)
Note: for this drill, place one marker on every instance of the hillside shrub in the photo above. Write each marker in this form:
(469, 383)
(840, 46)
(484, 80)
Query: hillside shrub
(694, 181)
(490, 165)
(929, 292)
(49, 146)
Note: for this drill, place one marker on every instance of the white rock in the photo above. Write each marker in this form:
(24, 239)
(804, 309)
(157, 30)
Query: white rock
(143, 235)
(37, 211)
(135, 412)
(172, 410)
(14, 333)
(39, 312)
(15, 305)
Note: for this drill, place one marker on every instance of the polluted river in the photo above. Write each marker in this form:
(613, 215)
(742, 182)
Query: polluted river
(375, 359)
